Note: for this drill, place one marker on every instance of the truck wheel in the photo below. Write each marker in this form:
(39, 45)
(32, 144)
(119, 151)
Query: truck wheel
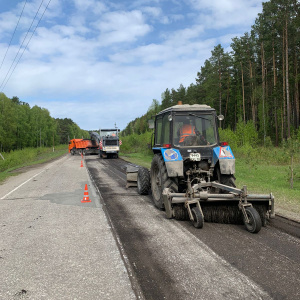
(143, 181)
(254, 224)
(198, 218)
(160, 180)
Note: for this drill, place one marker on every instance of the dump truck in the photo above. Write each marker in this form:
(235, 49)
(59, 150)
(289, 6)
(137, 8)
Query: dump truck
(192, 174)
(109, 143)
(83, 146)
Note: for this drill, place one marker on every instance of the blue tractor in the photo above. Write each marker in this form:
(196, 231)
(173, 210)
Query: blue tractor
(192, 173)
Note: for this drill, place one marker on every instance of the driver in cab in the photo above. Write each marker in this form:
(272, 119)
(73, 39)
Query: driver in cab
(189, 135)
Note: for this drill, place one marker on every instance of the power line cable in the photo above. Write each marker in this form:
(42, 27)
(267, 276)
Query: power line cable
(21, 44)
(26, 46)
(13, 34)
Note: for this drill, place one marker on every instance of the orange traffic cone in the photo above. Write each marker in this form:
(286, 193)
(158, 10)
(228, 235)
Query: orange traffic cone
(81, 166)
(86, 197)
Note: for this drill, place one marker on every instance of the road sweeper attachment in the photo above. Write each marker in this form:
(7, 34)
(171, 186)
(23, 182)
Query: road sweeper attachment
(192, 172)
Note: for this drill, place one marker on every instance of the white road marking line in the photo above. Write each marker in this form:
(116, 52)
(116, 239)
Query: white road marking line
(22, 184)
(47, 168)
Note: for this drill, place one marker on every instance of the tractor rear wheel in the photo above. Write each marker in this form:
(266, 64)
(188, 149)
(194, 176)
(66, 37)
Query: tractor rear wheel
(143, 181)
(160, 180)
(228, 180)
(254, 225)
(225, 179)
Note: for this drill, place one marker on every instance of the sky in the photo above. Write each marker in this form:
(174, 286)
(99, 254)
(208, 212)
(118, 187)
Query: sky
(102, 63)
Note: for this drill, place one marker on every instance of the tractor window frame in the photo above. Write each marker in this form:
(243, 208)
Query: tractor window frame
(162, 130)
(201, 125)
(166, 128)
(158, 130)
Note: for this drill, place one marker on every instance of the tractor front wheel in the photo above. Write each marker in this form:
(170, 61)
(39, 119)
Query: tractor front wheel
(160, 180)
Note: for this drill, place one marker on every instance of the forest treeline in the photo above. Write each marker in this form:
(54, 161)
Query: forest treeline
(23, 126)
(257, 82)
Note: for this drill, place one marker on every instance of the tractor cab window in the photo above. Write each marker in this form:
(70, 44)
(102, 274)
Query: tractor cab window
(162, 130)
(194, 130)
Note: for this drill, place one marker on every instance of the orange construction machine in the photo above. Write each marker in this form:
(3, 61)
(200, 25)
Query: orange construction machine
(83, 146)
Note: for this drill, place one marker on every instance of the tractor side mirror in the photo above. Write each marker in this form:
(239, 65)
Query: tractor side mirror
(151, 124)
(220, 117)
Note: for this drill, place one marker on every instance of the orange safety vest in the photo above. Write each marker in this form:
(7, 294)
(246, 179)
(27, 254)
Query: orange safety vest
(186, 130)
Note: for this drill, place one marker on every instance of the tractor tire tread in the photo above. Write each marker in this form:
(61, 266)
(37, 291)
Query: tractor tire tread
(166, 182)
(143, 181)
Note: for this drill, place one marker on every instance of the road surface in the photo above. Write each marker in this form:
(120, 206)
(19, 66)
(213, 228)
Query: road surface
(174, 260)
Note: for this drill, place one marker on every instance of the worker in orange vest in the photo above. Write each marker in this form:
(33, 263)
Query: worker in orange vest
(186, 130)
(190, 130)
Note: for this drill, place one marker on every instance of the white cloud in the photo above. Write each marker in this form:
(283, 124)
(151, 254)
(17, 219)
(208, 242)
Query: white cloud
(226, 13)
(60, 41)
(121, 26)
(155, 14)
(226, 6)
(8, 22)
(90, 6)
(182, 36)
(152, 11)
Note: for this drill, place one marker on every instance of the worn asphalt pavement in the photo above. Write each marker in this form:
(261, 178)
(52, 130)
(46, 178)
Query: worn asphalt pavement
(52, 246)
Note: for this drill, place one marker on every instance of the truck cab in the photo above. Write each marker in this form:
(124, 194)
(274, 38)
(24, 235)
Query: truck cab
(109, 143)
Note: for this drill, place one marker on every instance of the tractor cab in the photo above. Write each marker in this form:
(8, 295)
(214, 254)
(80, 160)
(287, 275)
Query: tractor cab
(192, 129)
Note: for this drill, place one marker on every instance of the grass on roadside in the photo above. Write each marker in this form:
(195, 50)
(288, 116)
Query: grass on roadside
(26, 157)
(264, 178)
(140, 159)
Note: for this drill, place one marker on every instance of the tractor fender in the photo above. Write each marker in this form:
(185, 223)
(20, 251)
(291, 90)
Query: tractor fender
(226, 159)
(173, 161)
